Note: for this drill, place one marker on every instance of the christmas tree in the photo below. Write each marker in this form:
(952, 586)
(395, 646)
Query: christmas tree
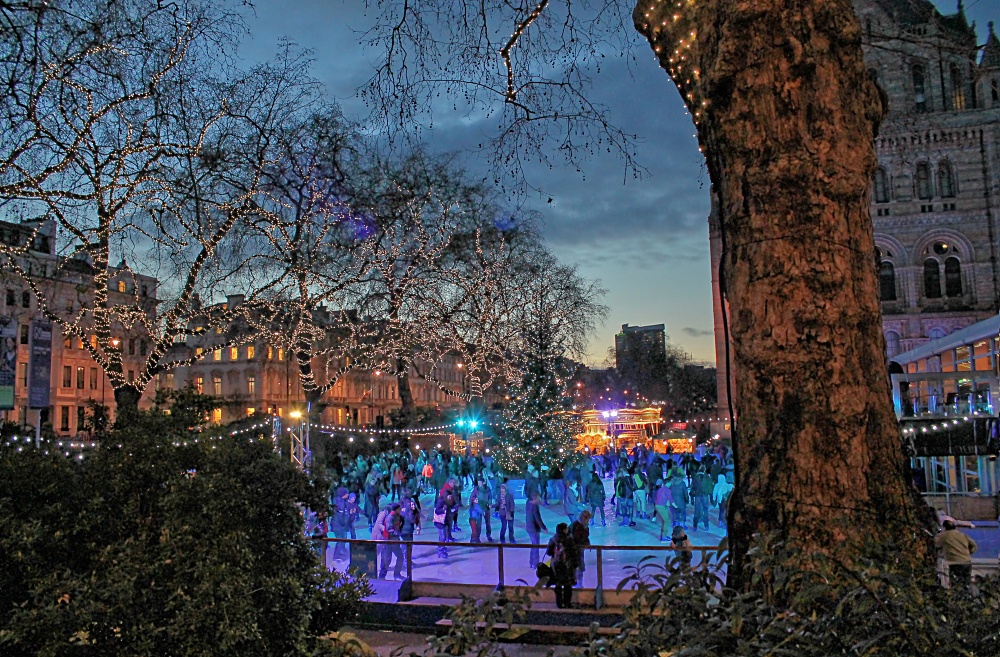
(540, 426)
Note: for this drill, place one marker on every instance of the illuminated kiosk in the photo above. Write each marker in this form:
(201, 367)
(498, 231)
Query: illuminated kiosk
(622, 427)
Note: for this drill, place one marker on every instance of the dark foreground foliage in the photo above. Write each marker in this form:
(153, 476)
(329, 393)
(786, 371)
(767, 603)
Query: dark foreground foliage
(677, 612)
(171, 544)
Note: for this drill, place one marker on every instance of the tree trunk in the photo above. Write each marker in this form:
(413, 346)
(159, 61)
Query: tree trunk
(786, 115)
(126, 403)
(407, 410)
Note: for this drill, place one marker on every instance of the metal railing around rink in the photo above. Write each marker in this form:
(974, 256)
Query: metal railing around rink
(704, 562)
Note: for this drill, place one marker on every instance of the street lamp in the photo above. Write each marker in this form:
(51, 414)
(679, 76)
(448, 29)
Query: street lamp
(610, 417)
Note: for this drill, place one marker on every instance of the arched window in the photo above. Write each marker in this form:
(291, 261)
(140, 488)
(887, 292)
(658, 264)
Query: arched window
(932, 279)
(891, 343)
(918, 88)
(952, 277)
(881, 186)
(886, 281)
(946, 180)
(924, 190)
(936, 333)
(957, 89)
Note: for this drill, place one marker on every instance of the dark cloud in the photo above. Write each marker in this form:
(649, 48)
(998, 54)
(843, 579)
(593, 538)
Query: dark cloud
(697, 333)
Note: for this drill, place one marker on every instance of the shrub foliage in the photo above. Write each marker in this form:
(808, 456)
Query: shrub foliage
(163, 541)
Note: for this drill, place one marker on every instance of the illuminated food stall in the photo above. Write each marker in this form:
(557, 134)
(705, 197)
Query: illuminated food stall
(617, 428)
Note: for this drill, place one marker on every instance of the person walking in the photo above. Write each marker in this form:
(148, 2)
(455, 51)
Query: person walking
(392, 548)
(957, 549)
(441, 520)
(572, 505)
(595, 498)
(623, 496)
(579, 530)
(340, 524)
(662, 501)
(485, 494)
(701, 490)
(505, 510)
(679, 493)
(720, 497)
(476, 514)
(682, 546)
(534, 526)
(563, 553)
(639, 494)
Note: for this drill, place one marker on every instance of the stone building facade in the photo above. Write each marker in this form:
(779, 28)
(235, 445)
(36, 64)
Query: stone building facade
(76, 379)
(935, 198)
(936, 193)
(261, 378)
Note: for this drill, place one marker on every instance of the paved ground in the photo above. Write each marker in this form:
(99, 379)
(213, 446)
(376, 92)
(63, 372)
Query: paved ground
(386, 644)
(477, 564)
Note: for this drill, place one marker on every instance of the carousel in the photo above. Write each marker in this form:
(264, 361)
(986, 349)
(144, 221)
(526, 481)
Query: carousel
(618, 428)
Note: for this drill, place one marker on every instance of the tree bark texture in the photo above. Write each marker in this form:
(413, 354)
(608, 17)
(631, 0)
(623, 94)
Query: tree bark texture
(786, 115)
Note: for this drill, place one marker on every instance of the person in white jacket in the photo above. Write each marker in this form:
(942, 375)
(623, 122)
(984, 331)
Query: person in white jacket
(720, 497)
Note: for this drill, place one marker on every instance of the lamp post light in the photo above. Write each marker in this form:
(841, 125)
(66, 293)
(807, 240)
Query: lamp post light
(299, 437)
(610, 417)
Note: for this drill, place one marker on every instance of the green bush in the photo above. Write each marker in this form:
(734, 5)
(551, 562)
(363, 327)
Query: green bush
(163, 542)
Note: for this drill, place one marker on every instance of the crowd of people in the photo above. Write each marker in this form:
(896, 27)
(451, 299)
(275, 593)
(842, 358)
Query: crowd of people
(645, 487)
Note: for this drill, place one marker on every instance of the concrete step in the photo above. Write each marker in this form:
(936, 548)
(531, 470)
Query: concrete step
(537, 634)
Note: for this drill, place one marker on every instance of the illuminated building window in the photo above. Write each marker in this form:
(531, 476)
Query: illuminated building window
(270, 352)
(217, 384)
(251, 411)
(81, 377)
(216, 415)
(234, 353)
(199, 384)
(169, 383)
(198, 351)
(251, 384)
(251, 352)
(217, 354)
(121, 286)
(281, 354)
(93, 341)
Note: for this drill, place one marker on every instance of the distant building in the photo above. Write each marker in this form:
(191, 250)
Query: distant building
(261, 378)
(643, 343)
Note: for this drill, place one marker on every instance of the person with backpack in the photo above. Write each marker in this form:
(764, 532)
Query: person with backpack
(595, 498)
(442, 520)
(639, 494)
(623, 494)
